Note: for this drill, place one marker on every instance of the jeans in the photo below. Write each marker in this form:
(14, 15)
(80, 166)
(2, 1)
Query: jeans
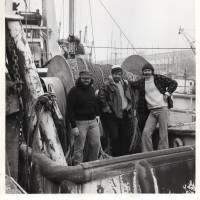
(88, 129)
(157, 115)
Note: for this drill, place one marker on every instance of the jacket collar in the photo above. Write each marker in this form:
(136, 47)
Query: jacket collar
(112, 85)
(111, 81)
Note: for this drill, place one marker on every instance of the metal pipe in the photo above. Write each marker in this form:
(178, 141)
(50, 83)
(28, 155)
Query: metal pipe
(100, 169)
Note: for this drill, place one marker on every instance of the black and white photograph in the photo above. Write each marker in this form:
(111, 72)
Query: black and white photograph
(100, 97)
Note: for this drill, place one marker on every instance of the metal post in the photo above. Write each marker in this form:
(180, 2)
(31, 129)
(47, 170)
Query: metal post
(71, 17)
(185, 76)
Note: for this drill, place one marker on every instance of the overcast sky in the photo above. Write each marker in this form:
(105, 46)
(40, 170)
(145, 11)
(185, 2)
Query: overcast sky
(147, 23)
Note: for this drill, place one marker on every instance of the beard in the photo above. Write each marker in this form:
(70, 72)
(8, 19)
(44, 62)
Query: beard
(116, 80)
(85, 85)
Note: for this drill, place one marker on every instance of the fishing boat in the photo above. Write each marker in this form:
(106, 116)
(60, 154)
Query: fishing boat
(38, 132)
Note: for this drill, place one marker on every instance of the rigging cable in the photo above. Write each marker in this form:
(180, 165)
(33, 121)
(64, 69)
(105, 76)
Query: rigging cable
(29, 5)
(25, 3)
(60, 20)
(127, 48)
(118, 26)
(92, 31)
(26, 8)
(63, 24)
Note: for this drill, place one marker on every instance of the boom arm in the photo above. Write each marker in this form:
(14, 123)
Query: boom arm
(191, 43)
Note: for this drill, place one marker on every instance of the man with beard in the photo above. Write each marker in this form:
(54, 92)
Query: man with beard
(117, 111)
(154, 100)
(83, 112)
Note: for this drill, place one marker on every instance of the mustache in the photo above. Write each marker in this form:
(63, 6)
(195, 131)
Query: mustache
(147, 74)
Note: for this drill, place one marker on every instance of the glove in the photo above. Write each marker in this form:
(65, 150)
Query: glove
(98, 119)
(75, 131)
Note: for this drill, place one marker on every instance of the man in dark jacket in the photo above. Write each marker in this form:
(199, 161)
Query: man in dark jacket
(83, 112)
(116, 104)
(154, 100)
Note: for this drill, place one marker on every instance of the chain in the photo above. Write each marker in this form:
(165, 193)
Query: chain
(14, 72)
(16, 78)
(18, 84)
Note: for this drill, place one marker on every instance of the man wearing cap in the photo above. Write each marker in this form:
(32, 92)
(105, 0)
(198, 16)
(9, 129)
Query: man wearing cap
(116, 104)
(83, 111)
(154, 100)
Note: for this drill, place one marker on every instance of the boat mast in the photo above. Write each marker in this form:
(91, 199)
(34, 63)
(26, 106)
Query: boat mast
(71, 30)
(71, 17)
(52, 34)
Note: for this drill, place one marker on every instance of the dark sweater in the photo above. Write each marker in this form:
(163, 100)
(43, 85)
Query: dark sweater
(81, 103)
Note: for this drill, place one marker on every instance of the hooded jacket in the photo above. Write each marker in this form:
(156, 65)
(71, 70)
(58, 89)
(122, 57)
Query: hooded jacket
(81, 103)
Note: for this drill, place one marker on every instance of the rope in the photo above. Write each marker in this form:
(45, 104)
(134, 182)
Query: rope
(103, 154)
(38, 107)
(118, 26)
(48, 102)
(45, 102)
(92, 31)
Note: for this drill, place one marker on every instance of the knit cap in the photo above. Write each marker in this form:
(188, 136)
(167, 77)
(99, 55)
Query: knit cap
(148, 66)
(85, 73)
